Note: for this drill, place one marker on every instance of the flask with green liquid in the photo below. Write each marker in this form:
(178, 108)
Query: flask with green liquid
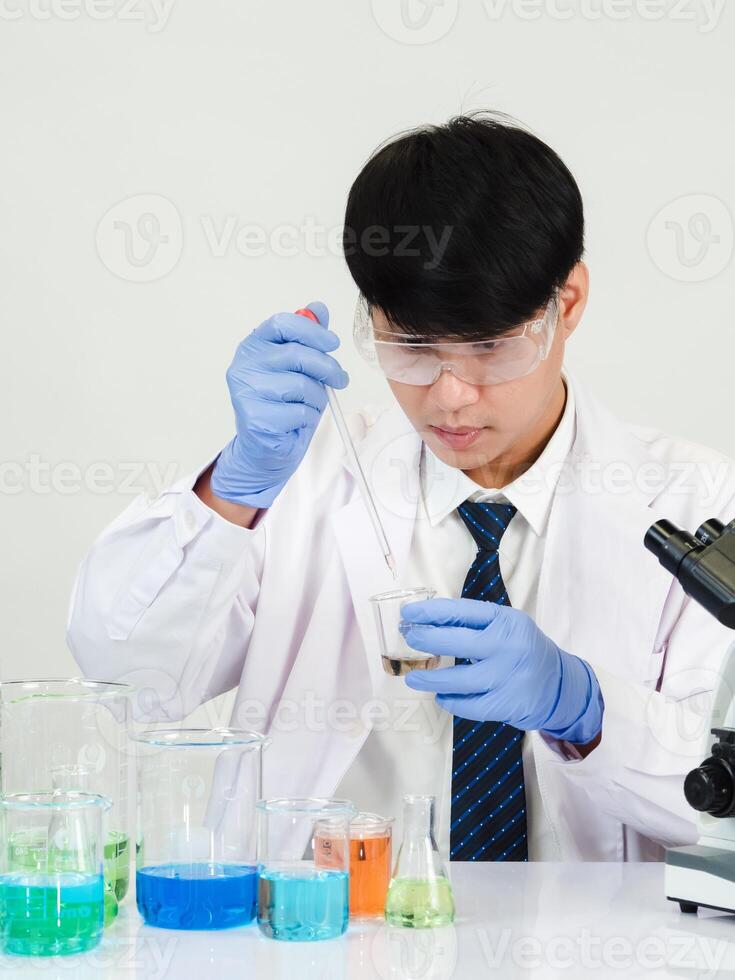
(420, 894)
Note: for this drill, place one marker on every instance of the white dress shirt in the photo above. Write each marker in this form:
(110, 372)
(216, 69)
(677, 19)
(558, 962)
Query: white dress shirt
(410, 750)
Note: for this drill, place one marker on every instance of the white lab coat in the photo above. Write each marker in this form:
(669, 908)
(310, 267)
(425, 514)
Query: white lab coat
(187, 606)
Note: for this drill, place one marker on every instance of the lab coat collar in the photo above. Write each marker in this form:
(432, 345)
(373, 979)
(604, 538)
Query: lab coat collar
(590, 452)
(607, 456)
(530, 493)
(594, 555)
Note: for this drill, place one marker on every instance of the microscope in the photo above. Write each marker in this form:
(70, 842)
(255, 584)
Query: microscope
(704, 873)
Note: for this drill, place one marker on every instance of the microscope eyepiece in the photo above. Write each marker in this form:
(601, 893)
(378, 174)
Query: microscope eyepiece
(703, 564)
(670, 544)
(710, 531)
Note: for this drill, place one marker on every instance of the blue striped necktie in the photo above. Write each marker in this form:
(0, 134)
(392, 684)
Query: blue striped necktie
(488, 812)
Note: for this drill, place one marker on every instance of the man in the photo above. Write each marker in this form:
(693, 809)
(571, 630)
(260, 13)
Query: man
(572, 697)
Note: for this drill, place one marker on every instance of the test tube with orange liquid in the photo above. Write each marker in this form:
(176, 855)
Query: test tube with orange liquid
(371, 839)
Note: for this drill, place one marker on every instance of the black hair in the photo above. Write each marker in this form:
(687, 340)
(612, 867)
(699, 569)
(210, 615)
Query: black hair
(463, 229)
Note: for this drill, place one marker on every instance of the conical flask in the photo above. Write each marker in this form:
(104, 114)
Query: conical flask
(420, 895)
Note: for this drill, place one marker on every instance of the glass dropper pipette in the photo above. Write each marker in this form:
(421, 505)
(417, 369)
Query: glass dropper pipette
(349, 445)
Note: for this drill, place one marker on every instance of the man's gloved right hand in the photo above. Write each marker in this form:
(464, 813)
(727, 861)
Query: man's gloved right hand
(276, 383)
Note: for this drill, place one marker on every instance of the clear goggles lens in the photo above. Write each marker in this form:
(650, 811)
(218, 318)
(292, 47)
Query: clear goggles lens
(416, 360)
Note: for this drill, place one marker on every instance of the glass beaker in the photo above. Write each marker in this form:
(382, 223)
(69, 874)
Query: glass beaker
(73, 735)
(298, 899)
(420, 894)
(370, 861)
(196, 861)
(397, 656)
(52, 899)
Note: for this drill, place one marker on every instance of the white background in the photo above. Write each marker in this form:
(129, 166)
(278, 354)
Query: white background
(260, 114)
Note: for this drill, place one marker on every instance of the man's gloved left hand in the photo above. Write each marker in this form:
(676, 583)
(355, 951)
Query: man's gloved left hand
(517, 675)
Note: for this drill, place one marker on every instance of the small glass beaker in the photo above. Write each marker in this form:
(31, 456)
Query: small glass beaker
(298, 899)
(52, 897)
(196, 861)
(397, 656)
(73, 734)
(370, 861)
(420, 895)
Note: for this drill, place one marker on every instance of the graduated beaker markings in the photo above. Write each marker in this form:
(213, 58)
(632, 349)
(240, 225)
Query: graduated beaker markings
(52, 887)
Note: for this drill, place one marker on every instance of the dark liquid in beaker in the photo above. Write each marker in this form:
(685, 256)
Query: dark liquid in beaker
(398, 666)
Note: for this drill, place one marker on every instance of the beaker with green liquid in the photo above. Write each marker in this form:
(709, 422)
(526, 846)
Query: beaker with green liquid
(419, 894)
(51, 892)
(71, 735)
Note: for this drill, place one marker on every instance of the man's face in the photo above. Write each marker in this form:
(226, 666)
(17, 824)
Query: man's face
(469, 426)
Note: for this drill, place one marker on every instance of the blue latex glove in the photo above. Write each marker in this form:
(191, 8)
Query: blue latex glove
(276, 383)
(518, 675)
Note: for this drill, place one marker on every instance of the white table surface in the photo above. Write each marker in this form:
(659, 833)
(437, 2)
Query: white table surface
(513, 920)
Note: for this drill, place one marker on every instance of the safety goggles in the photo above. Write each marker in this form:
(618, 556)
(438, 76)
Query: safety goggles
(417, 360)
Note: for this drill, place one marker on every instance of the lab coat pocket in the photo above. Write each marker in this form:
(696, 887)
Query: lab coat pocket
(149, 574)
(654, 666)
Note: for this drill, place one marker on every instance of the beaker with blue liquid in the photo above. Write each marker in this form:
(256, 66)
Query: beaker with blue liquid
(300, 898)
(52, 895)
(196, 853)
